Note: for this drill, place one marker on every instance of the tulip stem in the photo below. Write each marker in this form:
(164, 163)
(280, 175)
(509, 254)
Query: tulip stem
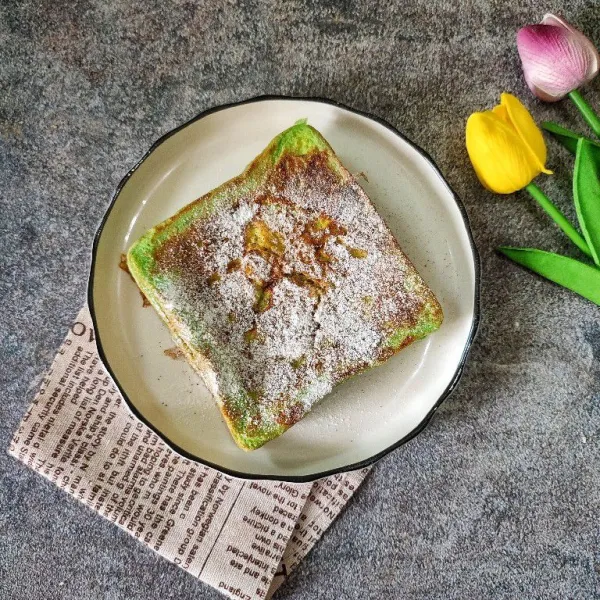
(558, 218)
(586, 111)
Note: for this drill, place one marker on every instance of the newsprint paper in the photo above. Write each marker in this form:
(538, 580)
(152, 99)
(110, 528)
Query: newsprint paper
(241, 537)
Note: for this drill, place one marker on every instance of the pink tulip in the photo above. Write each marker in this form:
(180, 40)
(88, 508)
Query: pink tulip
(557, 58)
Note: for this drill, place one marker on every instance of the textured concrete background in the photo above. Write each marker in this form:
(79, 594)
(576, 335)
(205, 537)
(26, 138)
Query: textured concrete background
(500, 496)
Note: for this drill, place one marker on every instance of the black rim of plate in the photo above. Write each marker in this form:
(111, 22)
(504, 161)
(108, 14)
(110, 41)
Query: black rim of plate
(314, 476)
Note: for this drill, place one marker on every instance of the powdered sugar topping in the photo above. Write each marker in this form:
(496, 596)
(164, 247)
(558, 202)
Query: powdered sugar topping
(296, 286)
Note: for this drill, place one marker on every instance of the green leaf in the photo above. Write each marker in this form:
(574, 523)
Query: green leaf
(570, 273)
(586, 192)
(558, 218)
(565, 136)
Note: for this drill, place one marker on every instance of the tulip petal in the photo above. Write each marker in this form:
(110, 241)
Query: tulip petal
(557, 58)
(528, 131)
(502, 162)
(501, 112)
(556, 21)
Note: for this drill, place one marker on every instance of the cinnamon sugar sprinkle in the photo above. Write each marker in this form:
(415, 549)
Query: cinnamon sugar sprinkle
(289, 289)
(174, 353)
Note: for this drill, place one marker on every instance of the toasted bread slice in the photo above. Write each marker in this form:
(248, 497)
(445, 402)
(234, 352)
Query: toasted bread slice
(281, 283)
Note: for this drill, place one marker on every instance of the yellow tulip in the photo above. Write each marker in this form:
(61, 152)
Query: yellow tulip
(506, 147)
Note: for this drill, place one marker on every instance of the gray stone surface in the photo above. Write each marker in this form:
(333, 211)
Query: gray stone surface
(500, 496)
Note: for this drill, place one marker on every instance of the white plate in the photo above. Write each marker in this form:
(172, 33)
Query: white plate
(365, 417)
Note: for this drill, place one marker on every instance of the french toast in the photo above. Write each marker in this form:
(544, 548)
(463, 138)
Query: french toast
(281, 283)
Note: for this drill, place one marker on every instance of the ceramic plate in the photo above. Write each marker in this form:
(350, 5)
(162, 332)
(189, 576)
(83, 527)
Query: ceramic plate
(368, 415)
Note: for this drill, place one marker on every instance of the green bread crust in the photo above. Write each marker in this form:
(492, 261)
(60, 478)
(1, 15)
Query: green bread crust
(209, 355)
